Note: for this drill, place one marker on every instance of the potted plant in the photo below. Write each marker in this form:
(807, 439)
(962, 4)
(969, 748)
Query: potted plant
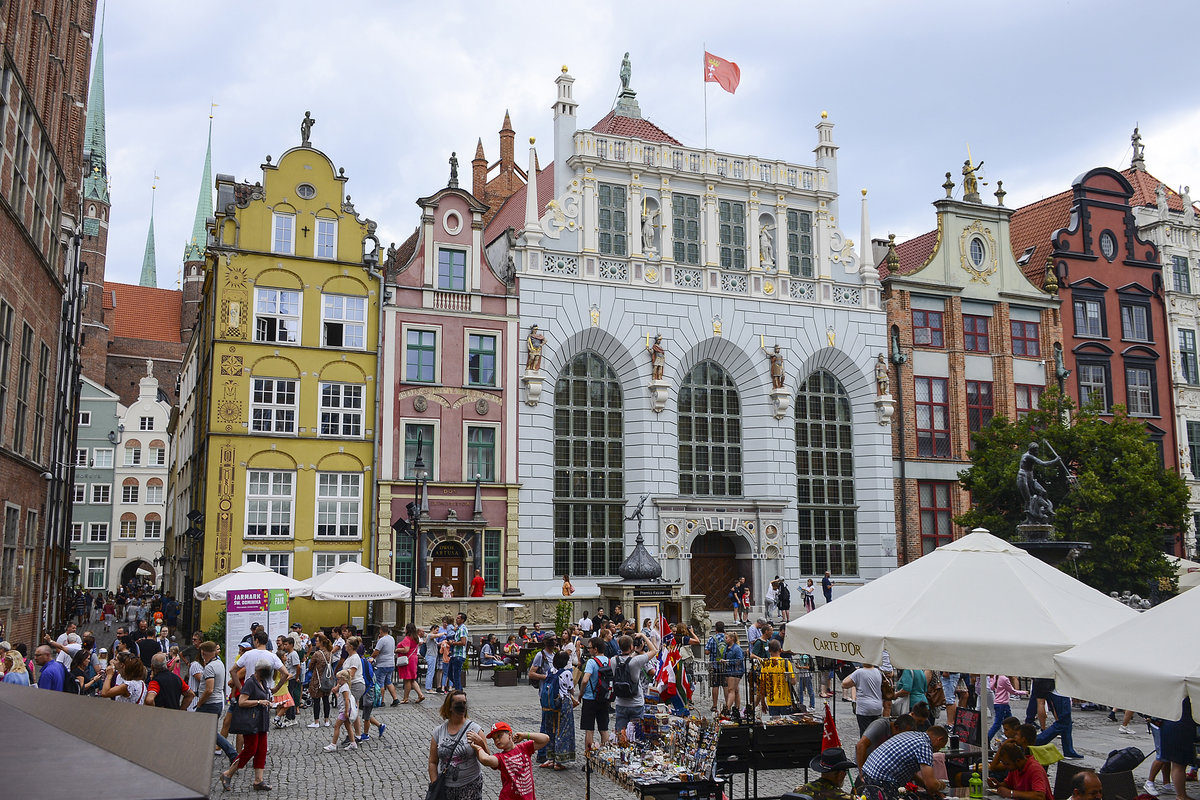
(504, 675)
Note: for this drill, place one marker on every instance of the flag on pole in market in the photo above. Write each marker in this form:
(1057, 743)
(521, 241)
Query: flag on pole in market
(721, 71)
(829, 734)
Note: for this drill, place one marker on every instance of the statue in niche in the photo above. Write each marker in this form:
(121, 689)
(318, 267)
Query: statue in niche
(648, 232)
(766, 246)
(534, 342)
(626, 70)
(658, 358)
(776, 368)
(883, 383)
(306, 125)
(970, 181)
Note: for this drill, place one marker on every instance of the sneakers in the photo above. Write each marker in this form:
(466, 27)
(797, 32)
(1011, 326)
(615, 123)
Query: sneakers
(329, 748)
(325, 724)
(314, 725)
(395, 703)
(352, 746)
(382, 728)
(364, 737)
(1125, 729)
(1151, 788)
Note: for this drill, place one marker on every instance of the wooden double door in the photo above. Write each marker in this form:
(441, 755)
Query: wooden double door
(448, 562)
(714, 569)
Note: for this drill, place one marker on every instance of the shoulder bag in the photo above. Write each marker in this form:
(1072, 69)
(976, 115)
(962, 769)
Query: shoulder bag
(245, 719)
(437, 789)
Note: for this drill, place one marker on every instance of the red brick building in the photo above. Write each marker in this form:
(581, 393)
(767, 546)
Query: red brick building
(43, 93)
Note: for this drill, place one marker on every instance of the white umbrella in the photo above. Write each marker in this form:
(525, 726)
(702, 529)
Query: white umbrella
(977, 605)
(352, 581)
(251, 575)
(1117, 668)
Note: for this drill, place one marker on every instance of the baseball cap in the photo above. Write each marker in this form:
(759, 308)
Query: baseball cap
(296, 625)
(499, 727)
(103, 649)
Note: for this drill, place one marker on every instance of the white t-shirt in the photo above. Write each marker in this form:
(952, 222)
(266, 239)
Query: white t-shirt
(585, 624)
(252, 658)
(137, 693)
(347, 701)
(67, 655)
(355, 661)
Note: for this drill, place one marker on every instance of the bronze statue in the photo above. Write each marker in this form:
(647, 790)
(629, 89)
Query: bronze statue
(534, 341)
(306, 128)
(1038, 508)
(970, 183)
(658, 358)
(776, 368)
(883, 383)
(453, 184)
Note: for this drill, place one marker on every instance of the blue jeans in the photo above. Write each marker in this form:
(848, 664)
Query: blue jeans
(1060, 727)
(222, 742)
(626, 714)
(456, 678)
(431, 662)
(1003, 711)
(806, 685)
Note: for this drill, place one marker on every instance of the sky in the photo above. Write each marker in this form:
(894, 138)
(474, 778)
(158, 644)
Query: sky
(1040, 91)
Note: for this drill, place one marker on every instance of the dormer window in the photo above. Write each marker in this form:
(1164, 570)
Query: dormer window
(284, 240)
(452, 270)
(326, 246)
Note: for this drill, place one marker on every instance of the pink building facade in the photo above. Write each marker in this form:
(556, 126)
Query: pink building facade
(448, 395)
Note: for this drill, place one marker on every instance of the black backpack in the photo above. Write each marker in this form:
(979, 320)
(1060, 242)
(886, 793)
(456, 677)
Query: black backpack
(622, 685)
(604, 681)
(785, 595)
(1126, 759)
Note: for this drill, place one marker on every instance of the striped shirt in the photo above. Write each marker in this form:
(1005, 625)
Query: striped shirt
(896, 761)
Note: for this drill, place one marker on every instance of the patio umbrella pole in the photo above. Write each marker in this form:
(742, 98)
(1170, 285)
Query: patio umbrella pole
(984, 726)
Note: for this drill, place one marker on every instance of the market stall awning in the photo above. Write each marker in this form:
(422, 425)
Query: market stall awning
(250, 576)
(1148, 663)
(352, 581)
(976, 605)
(92, 735)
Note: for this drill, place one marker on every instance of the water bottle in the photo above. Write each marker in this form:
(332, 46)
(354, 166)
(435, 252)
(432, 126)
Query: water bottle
(976, 784)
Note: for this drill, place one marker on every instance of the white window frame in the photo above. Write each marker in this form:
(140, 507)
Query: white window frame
(341, 504)
(76, 533)
(274, 409)
(121, 537)
(158, 456)
(337, 557)
(155, 495)
(277, 220)
(322, 222)
(97, 533)
(130, 494)
(436, 330)
(265, 557)
(340, 412)
(81, 456)
(276, 504)
(498, 381)
(133, 456)
(467, 475)
(145, 423)
(1139, 392)
(103, 458)
(147, 535)
(85, 419)
(429, 450)
(343, 320)
(87, 574)
(106, 489)
(273, 294)
(79, 493)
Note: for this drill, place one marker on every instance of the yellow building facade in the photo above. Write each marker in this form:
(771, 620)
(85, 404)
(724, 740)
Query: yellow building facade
(286, 359)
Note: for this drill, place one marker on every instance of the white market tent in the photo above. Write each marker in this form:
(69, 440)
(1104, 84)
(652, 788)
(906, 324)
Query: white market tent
(351, 582)
(251, 575)
(1117, 668)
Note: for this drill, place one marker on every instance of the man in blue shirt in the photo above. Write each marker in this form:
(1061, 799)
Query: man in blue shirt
(595, 709)
(458, 655)
(52, 675)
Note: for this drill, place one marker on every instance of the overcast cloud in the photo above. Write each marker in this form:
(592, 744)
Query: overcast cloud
(1041, 91)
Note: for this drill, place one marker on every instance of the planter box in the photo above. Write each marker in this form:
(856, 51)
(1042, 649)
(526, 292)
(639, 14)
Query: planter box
(505, 677)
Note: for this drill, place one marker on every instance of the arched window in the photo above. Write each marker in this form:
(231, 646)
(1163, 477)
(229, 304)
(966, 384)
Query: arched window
(589, 488)
(710, 433)
(825, 477)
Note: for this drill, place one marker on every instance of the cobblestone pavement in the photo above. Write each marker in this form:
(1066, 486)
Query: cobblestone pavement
(395, 767)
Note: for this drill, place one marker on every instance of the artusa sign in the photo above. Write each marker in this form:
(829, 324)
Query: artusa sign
(834, 647)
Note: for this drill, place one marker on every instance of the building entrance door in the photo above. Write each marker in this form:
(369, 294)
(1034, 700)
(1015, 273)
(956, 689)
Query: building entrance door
(447, 563)
(715, 568)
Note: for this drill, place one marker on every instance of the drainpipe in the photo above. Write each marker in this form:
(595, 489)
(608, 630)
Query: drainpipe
(899, 359)
(371, 261)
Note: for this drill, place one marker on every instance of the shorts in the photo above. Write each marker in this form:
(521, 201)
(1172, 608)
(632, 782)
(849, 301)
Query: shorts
(594, 715)
(383, 676)
(950, 688)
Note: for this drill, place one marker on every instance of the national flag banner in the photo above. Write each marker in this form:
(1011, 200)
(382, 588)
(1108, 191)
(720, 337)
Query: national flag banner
(829, 734)
(722, 71)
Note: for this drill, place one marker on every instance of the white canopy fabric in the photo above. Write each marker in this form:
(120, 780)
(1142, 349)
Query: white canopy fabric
(977, 605)
(352, 581)
(251, 575)
(1147, 664)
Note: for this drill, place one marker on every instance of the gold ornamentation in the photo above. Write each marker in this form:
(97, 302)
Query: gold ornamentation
(831, 336)
(651, 274)
(989, 263)
(224, 548)
(594, 313)
(229, 408)
(768, 287)
(716, 321)
(231, 365)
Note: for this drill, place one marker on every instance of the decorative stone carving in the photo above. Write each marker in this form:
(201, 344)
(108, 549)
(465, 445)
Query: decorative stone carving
(420, 403)
(481, 406)
(533, 387)
(885, 407)
(781, 400)
(562, 213)
(700, 620)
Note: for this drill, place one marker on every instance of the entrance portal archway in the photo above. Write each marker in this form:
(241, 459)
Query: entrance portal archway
(139, 571)
(715, 567)
(448, 562)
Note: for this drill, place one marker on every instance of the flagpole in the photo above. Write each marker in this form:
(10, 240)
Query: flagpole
(704, 60)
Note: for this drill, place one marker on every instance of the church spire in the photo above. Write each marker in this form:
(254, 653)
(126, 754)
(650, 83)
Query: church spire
(149, 271)
(194, 249)
(95, 185)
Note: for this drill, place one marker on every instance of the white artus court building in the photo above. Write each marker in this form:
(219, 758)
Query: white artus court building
(753, 462)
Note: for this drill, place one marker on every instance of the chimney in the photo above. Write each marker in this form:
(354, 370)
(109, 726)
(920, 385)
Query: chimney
(478, 171)
(508, 138)
(565, 123)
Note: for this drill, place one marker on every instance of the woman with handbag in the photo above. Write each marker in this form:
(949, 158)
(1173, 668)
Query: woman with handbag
(252, 719)
(454, 772)
(407, 659)
(321, 678)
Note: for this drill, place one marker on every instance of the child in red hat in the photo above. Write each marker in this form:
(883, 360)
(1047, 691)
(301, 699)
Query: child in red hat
(513, 757)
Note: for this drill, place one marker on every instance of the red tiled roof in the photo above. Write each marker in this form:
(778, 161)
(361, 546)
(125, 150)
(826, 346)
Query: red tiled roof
(1144, 185)
(913, 254)
(1032, 226)
(143, 312)
(633, 128)
(512, 213)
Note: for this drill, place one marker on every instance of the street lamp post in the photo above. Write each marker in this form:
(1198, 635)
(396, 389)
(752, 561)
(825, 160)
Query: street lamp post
(414, 515)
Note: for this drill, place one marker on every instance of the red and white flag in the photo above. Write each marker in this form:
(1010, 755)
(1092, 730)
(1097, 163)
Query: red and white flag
(829, 734)
(719, 70)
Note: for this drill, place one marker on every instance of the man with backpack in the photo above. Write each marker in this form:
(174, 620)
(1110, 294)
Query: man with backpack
(626, 682)
(714, 648)
(784, 600)
(595, 692)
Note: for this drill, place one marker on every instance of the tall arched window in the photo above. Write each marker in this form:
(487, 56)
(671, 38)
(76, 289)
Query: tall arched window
(710, 433)
(589, 487)
(825, 477)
